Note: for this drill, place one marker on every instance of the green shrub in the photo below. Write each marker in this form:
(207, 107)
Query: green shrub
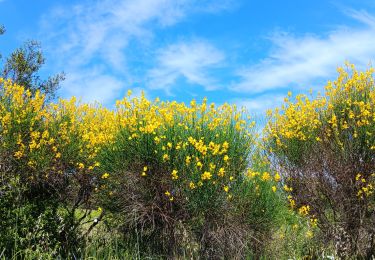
(325, 148)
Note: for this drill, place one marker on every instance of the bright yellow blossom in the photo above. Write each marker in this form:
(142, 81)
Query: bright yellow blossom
(206, 176)
(105, 175)
(174, 175)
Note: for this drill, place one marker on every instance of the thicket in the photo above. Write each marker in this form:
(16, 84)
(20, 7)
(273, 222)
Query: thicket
(325, 148)
(170, 180)
(166, 179)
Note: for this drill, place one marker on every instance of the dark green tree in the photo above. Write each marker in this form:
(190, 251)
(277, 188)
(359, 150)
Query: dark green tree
(2, 31)
(23, 66)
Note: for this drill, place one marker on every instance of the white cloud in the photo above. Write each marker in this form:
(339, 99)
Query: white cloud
(96, 86)
(92, 85)
(192, 61)
(260, 104)
(92, 32)
(303, 60)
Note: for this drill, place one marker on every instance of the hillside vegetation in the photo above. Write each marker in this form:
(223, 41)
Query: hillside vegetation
(154, 179)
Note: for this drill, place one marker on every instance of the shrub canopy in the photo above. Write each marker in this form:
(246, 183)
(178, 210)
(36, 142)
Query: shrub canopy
(326, 148)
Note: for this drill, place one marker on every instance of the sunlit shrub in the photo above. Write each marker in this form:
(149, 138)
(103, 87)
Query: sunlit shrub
(174, 180)
(325, 148)
(176, 173)
(47, 152)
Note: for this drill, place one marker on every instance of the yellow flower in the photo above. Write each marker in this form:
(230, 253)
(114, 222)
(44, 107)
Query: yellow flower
(212, 166)
(226, 158)
(226, 188)
(274, 188)
(192, 185)
(287, 189)
(266, 176)
(206, 176)
(188, 159)
(167, 193)
(165, 157)
(81, 166)
(309, 234)
(292, 203)
(105, 175)
(304, 210)
(199, 164)
(18, 154)
(174, 175)
(314, 222)
(277, 177)
(221, 172)
(145, 168)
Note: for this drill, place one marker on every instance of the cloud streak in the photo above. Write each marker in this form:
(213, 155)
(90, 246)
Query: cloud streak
(192, 61)
(297, 61)
(79, 37)
(260, 104)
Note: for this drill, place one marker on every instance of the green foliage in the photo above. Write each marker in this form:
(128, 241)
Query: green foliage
(167, 180)
(40, 188)
(330, 165)
(23, 66)
(184, 189)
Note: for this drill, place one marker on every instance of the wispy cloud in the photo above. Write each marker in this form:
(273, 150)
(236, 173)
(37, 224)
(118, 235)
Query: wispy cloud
(92, 85)
(303, 60)
(258, 105)
(105, 32)
(192, 61)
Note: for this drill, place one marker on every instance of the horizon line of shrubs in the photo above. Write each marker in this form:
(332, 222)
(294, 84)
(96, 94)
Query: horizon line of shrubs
(169, 180)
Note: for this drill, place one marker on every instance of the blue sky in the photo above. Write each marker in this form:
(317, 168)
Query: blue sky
(246, 52)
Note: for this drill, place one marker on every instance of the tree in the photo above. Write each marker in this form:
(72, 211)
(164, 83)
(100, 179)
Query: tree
(2, 31)
(22, 67)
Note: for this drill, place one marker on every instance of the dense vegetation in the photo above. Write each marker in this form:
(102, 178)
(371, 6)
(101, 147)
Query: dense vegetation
(153, 179)
(326, 148)
(161, 179)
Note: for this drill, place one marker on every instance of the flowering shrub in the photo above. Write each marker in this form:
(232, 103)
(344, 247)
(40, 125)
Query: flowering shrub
(325, 147)
(173, 163)
(47, 152)
(175, 180)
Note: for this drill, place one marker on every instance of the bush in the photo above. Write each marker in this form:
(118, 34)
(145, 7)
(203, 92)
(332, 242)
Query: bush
(160, 179)
(174, 179)
(47, 152)
(325, 148)
(170, 171)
